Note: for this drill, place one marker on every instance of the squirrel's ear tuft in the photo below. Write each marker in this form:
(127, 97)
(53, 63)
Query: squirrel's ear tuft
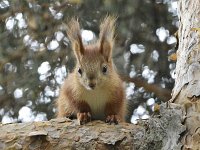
(106, 36)
(74, 35)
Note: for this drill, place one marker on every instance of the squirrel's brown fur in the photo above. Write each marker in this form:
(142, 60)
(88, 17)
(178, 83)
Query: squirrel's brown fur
(93, 90)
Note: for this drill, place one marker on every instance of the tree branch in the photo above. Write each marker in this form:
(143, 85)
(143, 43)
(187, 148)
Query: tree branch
(163, 94)
(159, 132)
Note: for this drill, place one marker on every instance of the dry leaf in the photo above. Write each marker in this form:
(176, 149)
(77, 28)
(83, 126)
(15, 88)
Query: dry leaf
(173, 57)
(156, 108)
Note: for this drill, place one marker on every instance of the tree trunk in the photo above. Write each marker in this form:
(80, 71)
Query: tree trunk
(187, 83)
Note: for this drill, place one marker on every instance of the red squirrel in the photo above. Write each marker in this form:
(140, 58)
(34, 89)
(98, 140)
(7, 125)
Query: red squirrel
(94, 90)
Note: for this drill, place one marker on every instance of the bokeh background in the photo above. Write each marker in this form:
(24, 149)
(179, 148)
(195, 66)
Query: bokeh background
(35, 53)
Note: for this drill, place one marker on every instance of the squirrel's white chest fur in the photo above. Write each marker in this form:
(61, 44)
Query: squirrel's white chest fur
(97, 100)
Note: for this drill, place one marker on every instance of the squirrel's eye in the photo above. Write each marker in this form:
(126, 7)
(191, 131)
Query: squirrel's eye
(80, 71)
(104, 69)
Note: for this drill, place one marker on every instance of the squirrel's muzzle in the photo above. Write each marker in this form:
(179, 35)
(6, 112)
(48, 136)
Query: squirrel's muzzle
(92, 85)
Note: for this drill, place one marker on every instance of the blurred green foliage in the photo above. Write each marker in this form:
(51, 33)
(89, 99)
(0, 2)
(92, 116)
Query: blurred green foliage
(33, 32)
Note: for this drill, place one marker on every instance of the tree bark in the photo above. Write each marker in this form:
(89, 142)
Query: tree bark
(161, 131)
(187, 83)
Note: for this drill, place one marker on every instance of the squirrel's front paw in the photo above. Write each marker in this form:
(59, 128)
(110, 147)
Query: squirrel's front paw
(112, 119)
(83, 118)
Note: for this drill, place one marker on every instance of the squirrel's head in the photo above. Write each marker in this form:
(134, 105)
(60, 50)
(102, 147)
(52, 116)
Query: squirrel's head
(94, 61)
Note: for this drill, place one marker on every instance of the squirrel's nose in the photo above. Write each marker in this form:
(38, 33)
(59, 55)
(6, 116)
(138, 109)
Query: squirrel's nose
(92, 85)
(91, 77)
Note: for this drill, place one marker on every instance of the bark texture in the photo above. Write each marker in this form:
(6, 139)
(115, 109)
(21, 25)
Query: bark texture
(162, 131)
(187, 83)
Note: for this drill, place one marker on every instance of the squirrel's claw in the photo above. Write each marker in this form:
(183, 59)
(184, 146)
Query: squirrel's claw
(83, 118)
(112, 119)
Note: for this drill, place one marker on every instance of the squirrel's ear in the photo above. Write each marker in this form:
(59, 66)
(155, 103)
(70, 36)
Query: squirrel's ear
(106, 37)
(74, 35)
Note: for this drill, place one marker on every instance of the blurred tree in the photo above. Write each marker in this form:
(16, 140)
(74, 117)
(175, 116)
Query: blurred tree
(35, 54)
